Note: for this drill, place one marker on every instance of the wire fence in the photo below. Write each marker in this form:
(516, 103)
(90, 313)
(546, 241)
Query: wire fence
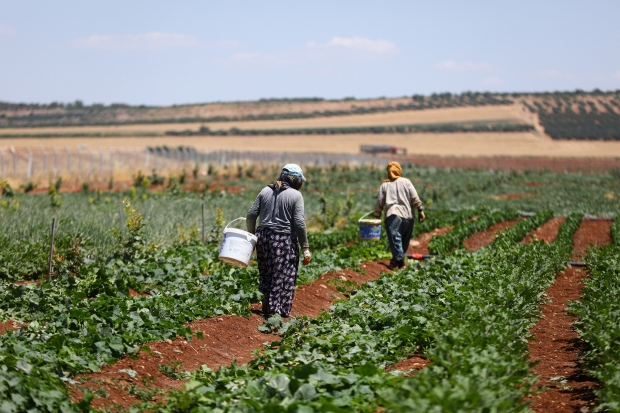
(85, 163)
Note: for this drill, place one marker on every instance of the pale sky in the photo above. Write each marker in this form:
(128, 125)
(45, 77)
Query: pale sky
(172, 52)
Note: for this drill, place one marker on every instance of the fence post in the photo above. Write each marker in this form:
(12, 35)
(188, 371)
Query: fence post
(55, 158)
(90, 157)
(44, 158)
(14, 160)
(100, 160)
(29, 172)
(79, 154)
(1, 163)
(203, 222)
(68, 159)
(146, 158)
(111, 160)
(50, 261)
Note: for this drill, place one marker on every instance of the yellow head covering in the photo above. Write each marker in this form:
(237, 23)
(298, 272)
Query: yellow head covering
(394, 170)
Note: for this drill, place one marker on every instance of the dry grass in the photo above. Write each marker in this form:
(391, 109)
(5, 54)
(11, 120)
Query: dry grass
(455, 144)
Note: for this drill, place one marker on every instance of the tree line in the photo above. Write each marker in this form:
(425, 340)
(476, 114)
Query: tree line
(439, 128)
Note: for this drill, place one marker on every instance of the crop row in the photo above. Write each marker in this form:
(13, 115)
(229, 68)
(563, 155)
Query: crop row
(598, 313)
(469, 313)
(521, 228)
(85, 317)
(79, 321)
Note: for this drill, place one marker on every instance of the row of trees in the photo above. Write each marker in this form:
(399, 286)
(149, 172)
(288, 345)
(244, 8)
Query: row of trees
(587, 126)
(439, 128)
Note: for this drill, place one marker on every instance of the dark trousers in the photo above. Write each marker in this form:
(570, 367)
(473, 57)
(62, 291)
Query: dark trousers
(399, 232)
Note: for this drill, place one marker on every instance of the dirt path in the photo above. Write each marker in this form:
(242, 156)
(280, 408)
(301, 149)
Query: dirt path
(224, 339)
(547, 232)
(555, 342)
(484, 238)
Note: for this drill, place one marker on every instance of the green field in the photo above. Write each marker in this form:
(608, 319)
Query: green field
(469, 313)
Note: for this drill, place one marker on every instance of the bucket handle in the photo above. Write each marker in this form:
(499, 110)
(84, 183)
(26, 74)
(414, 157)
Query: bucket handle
(237, 219)
(363, 216)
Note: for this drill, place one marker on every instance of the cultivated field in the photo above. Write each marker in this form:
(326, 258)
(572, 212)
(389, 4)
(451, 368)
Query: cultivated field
(147, 318)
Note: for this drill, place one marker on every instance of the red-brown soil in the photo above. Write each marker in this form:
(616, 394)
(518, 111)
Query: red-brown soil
(556, 344)
(410, 365)
(134, 293)
(225, 339)
(484, 238)
(512, 196)
(25, 282)
(9, 325)
(591, 233)
(521, 163)
(547, 232)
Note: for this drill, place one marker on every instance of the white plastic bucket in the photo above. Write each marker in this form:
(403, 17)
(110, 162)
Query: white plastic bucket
(370, 229)
(237, 246)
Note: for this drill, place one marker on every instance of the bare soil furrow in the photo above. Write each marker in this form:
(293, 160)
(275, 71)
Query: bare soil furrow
(547, 232)
(556, 345)
(484, 238)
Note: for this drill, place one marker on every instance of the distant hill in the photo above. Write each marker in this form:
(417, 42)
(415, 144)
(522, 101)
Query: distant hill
(73, 114)
(560, 115)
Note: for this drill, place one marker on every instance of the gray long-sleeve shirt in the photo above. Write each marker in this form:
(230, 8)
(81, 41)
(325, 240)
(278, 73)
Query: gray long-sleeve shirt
(398, 197)
(282, 210)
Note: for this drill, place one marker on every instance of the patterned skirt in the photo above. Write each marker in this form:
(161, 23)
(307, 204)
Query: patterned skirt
(278, 261)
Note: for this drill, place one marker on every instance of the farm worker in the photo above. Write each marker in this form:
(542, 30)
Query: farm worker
(398, 197)
(281, 230)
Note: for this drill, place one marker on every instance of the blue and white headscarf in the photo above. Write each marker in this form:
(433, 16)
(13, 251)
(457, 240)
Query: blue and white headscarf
(293, 169)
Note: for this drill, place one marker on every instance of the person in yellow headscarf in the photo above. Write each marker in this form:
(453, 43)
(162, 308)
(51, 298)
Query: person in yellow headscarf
(398, 197)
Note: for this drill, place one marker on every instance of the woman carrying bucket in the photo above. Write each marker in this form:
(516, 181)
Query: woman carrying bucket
(398, 197)
(282, 229)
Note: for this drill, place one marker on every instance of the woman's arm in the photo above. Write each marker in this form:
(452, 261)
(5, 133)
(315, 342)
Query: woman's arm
(416, 202)
(380, 202)
(300, 229)
(253, 213)
(300, 223)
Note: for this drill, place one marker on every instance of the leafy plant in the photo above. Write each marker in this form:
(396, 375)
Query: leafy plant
(28, 187)
(55, 200)
(172, 370)
(6, 189)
